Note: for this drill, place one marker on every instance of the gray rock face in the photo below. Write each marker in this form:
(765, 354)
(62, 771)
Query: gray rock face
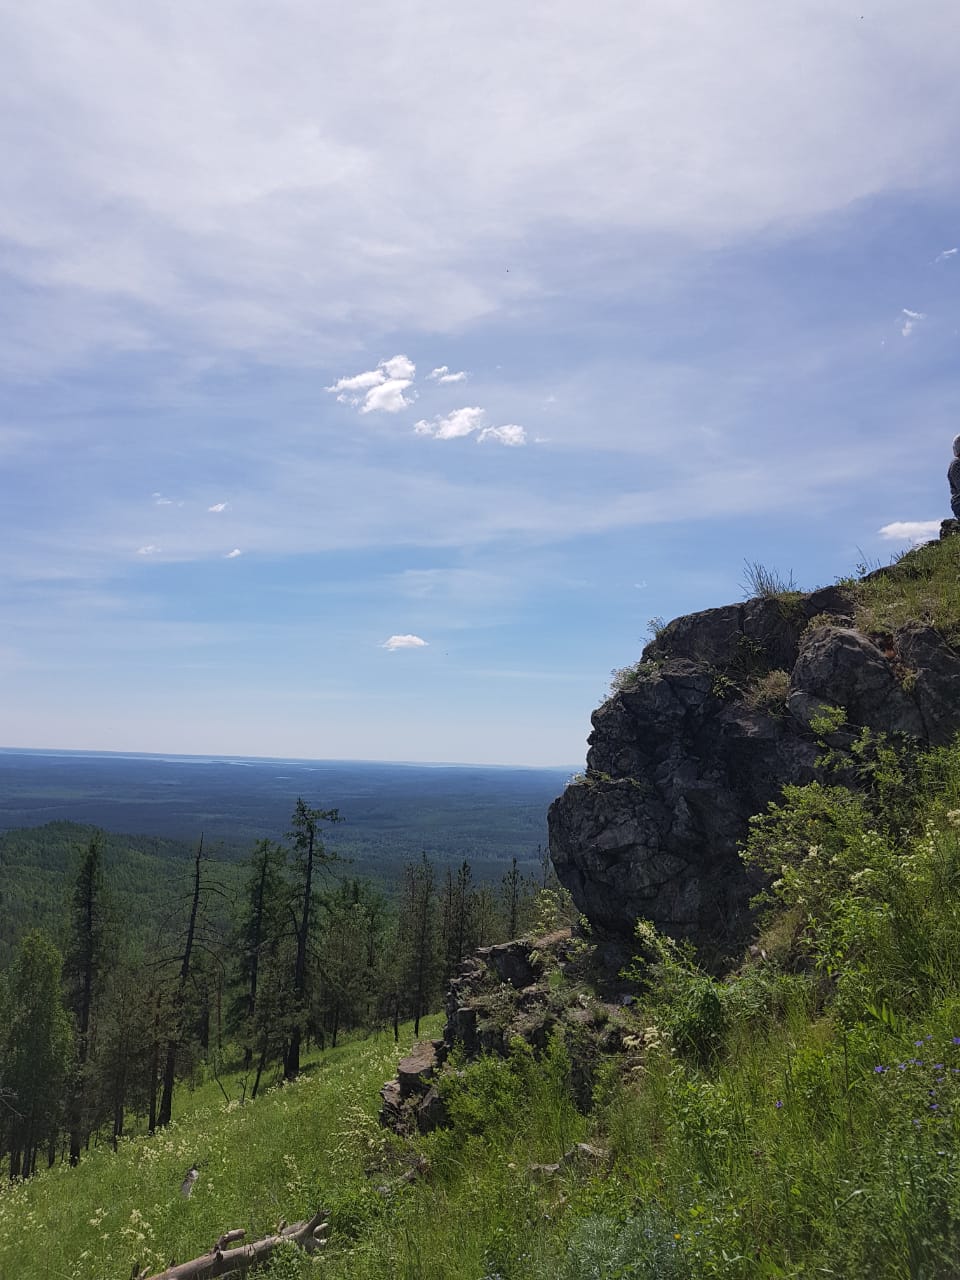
(704, 736)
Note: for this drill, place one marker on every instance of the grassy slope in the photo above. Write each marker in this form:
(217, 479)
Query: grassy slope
(277, 1159)
(801, 1119)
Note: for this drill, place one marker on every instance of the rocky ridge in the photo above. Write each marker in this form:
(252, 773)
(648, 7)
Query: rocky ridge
(724, 709)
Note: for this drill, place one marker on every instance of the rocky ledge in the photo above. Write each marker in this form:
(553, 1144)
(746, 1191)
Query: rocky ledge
(719, 714)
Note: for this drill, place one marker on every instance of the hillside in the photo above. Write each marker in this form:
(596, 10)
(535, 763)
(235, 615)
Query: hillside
(797, 1115)
(145, 874)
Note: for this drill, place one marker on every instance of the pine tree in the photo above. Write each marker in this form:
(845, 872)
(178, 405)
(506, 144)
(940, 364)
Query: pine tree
(36, 1046)
(261, 923)
(458, 917)
(86, 964)
(311, 857)
(418, 959)
(348, 956)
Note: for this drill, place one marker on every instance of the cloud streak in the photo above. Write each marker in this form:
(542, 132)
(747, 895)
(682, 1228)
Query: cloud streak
(911, 322)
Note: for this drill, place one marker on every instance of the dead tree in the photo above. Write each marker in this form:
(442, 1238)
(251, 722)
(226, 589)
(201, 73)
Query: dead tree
(222, 1260)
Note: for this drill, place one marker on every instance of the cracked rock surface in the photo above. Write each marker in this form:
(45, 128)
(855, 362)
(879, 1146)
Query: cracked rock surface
(714, 721)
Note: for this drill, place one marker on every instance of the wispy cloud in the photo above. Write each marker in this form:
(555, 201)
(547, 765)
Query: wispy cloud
(443, 375)
(232, 555)
(910, 530)
(380, 390)
(218, 507)
(404, 642)
(151, 549)
(947, 253)
(912, 320)
(510, 435)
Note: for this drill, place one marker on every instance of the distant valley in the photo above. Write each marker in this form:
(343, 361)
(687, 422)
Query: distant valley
(391, 812)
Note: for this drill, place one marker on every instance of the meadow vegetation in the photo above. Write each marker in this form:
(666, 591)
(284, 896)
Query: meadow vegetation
(799, 1117)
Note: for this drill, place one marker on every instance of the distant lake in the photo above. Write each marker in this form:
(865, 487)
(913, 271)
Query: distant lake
(391, 812)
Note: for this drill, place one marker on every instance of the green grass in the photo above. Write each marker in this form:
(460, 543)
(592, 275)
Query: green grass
(277, 1159)
(923, 586)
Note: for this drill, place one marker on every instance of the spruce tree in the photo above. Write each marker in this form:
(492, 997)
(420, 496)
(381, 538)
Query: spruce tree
(86, 965)
(36, 1046)
(311, 856)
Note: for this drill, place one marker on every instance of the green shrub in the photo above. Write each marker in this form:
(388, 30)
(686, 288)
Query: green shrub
(640, 1247)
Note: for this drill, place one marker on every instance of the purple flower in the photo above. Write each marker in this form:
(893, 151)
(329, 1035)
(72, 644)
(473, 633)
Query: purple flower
(938, 1066)
(879, 1070)
(955, 1040)
(778, 1104)
(918, 1044)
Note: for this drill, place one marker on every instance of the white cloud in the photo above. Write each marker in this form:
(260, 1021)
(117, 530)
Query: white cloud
(359, 382)
(910, 530)
(399, 367)
(388, 397)
(232, 555)
(149, 550)
(379, 390)
(947, 253)
(511, 435)
(452, 426)
(403, 642)
(912, 320)
(160, 501)
(443, 375)
(218, 506)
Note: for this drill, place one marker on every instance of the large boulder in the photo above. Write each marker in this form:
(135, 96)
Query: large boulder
(719, 714)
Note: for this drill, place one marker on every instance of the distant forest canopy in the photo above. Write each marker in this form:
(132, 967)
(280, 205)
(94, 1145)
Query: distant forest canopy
(390, 812)
(126, 968)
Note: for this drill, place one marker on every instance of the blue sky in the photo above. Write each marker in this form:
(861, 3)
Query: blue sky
(369, 381)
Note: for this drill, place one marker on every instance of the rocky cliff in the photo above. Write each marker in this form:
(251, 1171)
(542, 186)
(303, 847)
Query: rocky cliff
(707, 728)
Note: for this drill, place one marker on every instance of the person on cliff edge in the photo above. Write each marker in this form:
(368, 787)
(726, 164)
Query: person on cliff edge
(953, 475)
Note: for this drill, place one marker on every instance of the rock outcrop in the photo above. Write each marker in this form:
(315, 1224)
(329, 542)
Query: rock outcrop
(720, 713)
(515, 991)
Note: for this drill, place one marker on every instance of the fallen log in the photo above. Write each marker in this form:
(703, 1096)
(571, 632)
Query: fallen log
(223, 1261)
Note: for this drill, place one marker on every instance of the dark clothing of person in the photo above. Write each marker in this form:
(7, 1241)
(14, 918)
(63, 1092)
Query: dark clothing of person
(953, 475)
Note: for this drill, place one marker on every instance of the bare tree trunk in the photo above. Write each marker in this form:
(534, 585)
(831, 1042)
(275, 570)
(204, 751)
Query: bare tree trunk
(173, 1043)
(221, 1261)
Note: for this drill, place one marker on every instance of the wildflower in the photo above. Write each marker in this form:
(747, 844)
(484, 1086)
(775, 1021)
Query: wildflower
(938, 1066)
(778, 1104)
(901, 1066)
(879, 1070)
(956, 1040)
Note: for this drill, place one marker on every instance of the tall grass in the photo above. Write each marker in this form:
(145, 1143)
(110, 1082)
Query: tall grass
(923, 586)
